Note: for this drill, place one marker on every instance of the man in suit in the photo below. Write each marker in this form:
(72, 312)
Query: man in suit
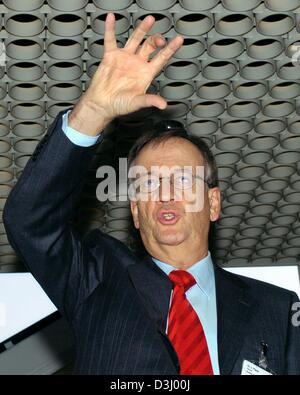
(175, 312)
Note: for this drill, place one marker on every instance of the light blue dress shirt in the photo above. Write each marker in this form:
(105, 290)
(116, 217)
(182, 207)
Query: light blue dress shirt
(202, 296)
(76, 137)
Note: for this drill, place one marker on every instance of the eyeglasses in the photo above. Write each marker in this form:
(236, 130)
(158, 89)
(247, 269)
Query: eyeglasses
(180, 180)
(164, 126)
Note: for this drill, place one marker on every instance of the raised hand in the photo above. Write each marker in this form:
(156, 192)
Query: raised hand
(119, 85)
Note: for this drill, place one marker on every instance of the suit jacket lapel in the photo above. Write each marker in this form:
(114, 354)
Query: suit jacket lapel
(233, 313)
(154, 288)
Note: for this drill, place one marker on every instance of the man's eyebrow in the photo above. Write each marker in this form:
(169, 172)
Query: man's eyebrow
(159, 173)
(174, 170)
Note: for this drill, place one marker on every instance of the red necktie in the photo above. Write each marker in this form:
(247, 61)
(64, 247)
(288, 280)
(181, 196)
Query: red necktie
(185, 330)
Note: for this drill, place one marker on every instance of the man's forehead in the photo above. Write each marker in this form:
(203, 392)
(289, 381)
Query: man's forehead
(174, 151)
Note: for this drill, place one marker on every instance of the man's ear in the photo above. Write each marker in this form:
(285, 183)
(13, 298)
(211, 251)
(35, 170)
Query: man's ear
(214, 199)
(135, 213)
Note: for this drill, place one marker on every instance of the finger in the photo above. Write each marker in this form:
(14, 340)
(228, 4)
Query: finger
(149, 100)
(109, 34)
(139, 33)
(162, 58)
(150, 45)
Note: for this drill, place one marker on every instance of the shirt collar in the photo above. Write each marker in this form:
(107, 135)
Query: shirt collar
(202, 271)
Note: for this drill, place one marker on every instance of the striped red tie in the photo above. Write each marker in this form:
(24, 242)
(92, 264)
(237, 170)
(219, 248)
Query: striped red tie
(185, 330)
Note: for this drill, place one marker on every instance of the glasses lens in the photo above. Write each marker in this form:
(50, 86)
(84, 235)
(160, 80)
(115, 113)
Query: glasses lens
(148, 183)
(183, 180)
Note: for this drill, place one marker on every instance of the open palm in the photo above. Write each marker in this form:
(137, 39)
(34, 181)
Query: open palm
(119, 85)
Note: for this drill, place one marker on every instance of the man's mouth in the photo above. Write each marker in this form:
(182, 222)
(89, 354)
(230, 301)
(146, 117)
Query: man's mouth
(168, 217)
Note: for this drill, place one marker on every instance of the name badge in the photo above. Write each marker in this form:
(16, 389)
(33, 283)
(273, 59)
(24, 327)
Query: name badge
(249, 369)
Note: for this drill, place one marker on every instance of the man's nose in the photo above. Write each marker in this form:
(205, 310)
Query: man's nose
(166, 190)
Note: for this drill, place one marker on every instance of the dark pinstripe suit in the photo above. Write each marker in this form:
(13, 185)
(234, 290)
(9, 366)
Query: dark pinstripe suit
(117, 305)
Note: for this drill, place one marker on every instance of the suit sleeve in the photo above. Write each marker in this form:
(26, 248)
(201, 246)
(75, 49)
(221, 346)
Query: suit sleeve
(37, 220)
(293, 343)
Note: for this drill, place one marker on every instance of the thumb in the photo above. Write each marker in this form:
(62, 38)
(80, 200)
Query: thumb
(149, 100)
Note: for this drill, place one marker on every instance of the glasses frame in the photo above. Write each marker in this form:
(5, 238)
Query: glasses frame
(171, 181)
